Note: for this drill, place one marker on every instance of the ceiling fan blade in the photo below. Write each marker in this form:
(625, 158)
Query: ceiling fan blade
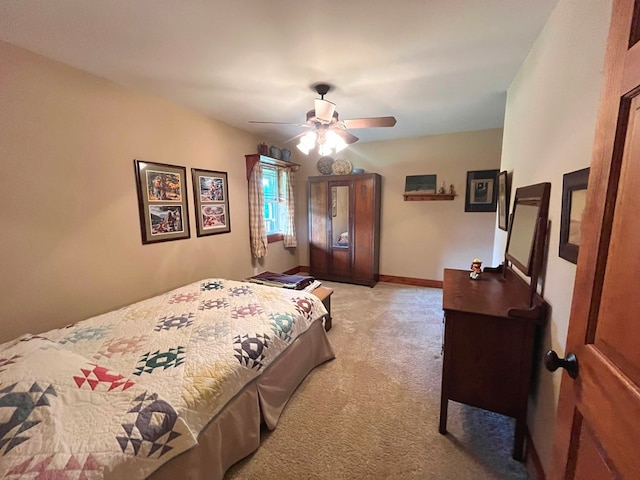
(346, 136)
(281, 123)
(295, 137)
(370, 122)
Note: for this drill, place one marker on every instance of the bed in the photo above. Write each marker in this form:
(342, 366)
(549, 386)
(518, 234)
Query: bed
(175, 386)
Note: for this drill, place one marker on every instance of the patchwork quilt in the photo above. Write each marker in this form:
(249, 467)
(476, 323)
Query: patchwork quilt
(117, 395)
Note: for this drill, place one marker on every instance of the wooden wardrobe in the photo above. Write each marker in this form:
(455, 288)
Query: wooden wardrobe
(344, 228)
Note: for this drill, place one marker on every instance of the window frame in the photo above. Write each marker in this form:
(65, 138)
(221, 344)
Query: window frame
(279, 235)
(251, 160)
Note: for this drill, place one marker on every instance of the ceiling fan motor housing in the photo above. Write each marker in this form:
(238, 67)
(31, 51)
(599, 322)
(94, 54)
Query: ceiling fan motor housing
(311, 117)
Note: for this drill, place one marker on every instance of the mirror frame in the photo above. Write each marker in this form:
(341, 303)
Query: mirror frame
(538, 195)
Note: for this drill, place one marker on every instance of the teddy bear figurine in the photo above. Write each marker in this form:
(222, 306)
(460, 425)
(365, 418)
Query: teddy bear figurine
(476, 269)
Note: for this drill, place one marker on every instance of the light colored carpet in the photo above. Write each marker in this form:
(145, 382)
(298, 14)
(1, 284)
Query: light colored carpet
(373, 411)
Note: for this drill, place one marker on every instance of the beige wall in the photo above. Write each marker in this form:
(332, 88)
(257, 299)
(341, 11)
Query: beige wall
(71, 244)
(549, 131)
(420, 239)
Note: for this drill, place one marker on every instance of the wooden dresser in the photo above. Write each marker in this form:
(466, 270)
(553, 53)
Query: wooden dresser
(488, 345)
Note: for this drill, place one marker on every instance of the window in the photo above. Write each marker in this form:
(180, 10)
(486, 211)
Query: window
(275, 210)
(271, 203)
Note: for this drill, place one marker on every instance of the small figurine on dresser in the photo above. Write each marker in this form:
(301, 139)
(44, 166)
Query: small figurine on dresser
(476, 269)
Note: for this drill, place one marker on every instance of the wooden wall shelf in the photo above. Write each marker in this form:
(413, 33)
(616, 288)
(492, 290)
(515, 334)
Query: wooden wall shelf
(413, 197)
(254, 158)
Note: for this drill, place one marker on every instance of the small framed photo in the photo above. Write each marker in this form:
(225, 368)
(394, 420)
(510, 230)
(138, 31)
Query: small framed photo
(162, 201)
(574, 199)
(482, 191)
(504, 193)
(211, 195)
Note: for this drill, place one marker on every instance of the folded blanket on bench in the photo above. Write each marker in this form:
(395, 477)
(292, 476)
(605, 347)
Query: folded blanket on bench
(295, 282)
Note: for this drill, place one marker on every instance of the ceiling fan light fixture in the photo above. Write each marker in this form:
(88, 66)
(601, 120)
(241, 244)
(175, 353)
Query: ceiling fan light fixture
(335, 141)
(309, 140)
(303, 148)
(324, 149)
(327, 142)
(324, 110)
(332, 139)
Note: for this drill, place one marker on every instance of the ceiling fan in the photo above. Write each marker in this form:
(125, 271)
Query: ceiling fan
(325, 128)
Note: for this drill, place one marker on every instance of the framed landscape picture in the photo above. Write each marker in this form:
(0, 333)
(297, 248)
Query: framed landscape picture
(211, 196)
(482, 191)
(420, 184)
(162, 201)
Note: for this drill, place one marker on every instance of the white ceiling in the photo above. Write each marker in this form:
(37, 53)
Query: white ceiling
(437, 65)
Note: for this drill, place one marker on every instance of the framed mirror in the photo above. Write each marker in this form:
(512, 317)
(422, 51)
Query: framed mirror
(340, 216)
(530, 214)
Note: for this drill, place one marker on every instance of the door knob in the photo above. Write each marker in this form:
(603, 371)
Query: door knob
(552, 362)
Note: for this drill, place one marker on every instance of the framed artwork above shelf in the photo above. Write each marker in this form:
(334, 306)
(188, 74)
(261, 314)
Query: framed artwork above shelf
(412, 197)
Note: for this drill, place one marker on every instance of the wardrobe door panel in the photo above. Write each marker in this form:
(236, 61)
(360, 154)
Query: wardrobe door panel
(363, 237)
(366, 229)
(341, 262)
(319, 246)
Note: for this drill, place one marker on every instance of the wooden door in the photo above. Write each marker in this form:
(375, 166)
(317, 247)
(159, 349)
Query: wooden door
(598, 422)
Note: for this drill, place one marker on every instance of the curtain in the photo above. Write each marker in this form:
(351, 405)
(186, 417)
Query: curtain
(257, 228)
(287, 180)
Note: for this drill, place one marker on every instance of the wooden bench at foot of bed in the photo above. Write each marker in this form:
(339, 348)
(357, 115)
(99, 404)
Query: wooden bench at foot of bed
(324, 294)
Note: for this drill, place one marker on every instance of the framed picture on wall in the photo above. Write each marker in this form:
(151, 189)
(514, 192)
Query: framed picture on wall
(504, 193)
(574, 198)
(420, 184)
(211, 195)
(162, 201)
(482, 191)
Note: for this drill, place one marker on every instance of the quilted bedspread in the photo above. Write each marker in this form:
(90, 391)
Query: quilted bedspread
(117, 395)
